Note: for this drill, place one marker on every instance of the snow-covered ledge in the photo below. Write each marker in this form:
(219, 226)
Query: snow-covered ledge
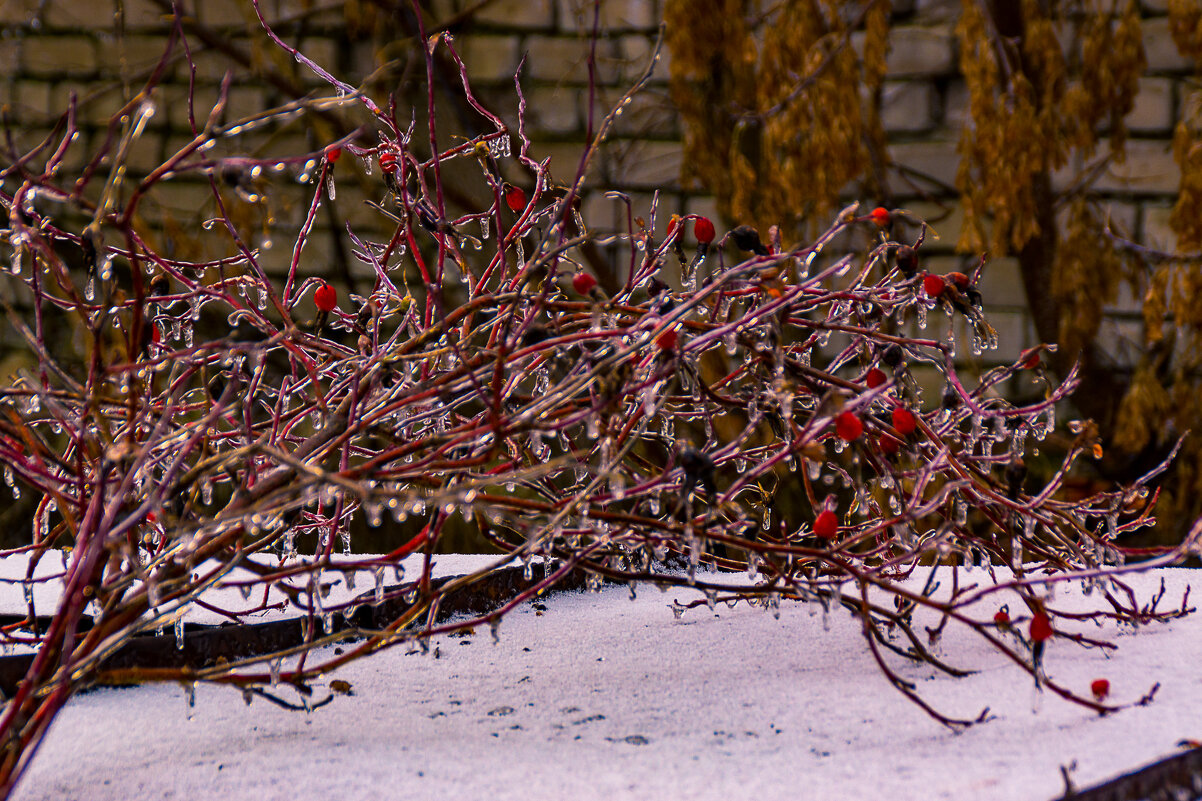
(595, 695)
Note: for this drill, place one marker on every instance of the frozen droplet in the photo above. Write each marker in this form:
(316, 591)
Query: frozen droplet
(179, 633)
(89, 289)
(494, 628)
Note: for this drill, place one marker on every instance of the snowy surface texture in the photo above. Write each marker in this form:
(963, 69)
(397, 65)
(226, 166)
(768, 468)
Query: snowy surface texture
(608, 698)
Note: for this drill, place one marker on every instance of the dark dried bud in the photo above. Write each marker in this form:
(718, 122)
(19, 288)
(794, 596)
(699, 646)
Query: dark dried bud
(893, 356)
(698, 468)
(747, 238)
(951, 398)
(366, 312)
(907, 261)
(159, 285)
(655, 287)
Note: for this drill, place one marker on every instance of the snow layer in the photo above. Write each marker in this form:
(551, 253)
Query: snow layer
(608, 698)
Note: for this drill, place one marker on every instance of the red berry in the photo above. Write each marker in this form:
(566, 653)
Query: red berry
(326, 297)
(583, 283)
(673, 223)
(826, 525)
(904, 421)
(933, 285)
(333, 154)
(889, 445)
(703, 230)
(666, 340)
(881, 216)
(1100, 688)
(387, 161)
(515, 198)
(1031, 360)
(155, 335)
(848, 427)
(1041, 627)
(874, 378)
(1001, 619)
(151, 517)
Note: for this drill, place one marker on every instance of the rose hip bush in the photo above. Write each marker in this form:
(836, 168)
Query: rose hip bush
(735, 414)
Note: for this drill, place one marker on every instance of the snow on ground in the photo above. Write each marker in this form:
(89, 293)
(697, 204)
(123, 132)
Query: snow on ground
(604, 697)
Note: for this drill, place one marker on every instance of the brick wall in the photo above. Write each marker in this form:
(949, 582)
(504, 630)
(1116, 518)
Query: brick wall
(50, 48)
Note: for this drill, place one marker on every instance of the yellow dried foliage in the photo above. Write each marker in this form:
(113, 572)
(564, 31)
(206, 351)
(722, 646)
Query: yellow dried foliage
(777, 130)
(1112, 59)
(1185, 24)
(1155, 305)
(1186, 218)
(1086, 275)
(1034, 107)
(1004, 149)
(1145, 410)
(712, 80)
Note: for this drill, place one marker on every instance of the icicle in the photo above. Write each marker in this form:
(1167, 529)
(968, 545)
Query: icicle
(617, 485)
(179, 634)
